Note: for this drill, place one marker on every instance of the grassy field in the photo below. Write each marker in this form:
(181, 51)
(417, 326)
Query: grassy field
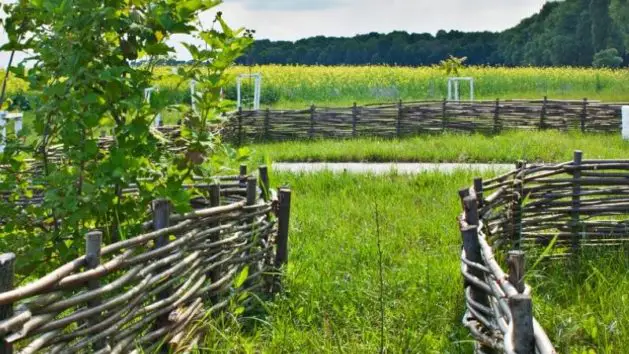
(545, 146)
(332, 300)
(300, 86)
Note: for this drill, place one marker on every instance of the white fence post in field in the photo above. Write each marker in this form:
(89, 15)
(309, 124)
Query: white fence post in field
(625, 122)
(256, 91)
(147, 98)
(454, 83)
(5, 118)
(193, 92)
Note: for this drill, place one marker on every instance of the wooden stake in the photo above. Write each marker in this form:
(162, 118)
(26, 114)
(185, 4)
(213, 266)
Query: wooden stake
(515, 260)
(576, 201)
(161, 220)
(93, 242)
(478, 189)
(521, 308)
(267, 124)
(263, 171)
(542, 118)
(398, 123)
(7, 272)
(281, 256)
(354, 119)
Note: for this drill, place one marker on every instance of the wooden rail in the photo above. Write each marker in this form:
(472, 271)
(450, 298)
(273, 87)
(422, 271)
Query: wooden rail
(150, 292)
(410, 118)
(571, 206)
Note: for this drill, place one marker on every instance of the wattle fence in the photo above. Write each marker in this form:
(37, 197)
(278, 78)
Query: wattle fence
(565, 208)
(410, 118)
(152, 292)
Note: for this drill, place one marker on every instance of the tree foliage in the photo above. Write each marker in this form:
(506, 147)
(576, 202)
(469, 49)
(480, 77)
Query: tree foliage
(452, 65)
(562, 33)
(82, 64)
(607, 58)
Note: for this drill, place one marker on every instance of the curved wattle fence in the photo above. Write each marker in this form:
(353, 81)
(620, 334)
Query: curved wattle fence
(563, 208)
(153, 290)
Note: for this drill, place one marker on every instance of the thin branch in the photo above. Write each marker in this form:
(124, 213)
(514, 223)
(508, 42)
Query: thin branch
(6, 78)
(381, 275)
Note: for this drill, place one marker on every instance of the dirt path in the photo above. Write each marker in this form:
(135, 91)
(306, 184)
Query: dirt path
(383, 168)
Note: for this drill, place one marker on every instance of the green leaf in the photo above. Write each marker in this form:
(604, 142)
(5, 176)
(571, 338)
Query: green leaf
(240, 279)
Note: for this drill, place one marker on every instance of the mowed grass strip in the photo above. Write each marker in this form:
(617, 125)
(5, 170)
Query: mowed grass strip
(332, 289)
(533, 146)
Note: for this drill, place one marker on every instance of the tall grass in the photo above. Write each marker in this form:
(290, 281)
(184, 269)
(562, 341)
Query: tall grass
(332, 298)
(545, 146)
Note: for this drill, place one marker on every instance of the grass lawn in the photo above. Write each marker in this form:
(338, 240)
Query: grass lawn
(544, 146)
(332, 299)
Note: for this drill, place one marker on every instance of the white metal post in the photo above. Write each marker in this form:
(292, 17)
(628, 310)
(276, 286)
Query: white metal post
(625, 122)
(18, 122)
(147, 98)
(471, 89)
(449, 89)
(257, 92)
(193, 93)
(456, 90)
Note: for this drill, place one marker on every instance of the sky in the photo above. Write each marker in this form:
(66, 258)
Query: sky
(295, 19)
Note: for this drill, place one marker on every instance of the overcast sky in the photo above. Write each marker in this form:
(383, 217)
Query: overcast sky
(294, 19)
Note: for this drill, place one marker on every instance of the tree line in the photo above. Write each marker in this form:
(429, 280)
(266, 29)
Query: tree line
(571, 32)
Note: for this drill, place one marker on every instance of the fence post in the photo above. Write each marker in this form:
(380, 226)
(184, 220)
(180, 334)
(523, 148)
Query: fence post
(444, 119)
(523, 338)
(576, 199)
(242, 179)
(497, 126)
(469, 234)
(515, 259)
(354, 119)
(240, 137)
(471, 210)
(584, 114)
(398, 123)
(312, 121)
(542, 118)
(281, 255)
(161, 220)
(267, 124)
(516, 236)
(7, 271)
(263, 172)
(93, 242)
(478, 189)
(252, 185)
(215, 200)
(464, 192)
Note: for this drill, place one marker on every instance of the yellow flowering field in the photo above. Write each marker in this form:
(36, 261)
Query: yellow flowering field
(297, 86)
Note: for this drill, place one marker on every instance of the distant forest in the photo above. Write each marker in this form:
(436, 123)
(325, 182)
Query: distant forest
(569, 32)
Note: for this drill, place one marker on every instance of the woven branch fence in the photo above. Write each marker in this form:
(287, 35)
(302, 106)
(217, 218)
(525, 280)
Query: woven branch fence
(565, 208)
(409, 118)
(151, 292)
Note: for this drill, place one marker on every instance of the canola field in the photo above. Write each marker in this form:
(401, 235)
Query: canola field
(299, 86)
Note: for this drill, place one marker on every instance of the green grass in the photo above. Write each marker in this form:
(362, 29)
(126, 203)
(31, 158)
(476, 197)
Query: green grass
(331, 303)
(546, 146)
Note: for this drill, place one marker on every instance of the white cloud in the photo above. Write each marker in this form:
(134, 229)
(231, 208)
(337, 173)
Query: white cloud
(294, 19)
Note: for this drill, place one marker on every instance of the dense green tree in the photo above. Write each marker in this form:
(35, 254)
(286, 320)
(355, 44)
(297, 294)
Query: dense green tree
(607, 58)
(619, 11)
(562, 33)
